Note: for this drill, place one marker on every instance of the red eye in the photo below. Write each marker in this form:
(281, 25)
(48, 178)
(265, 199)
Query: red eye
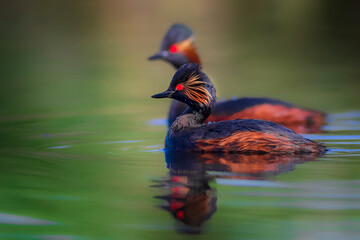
(179, 87)
(173, 48)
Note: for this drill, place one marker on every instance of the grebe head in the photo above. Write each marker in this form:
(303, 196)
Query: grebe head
(192, 87)
(178, 47)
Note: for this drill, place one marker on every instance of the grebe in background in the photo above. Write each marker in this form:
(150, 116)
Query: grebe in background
(188, 133)
(178, 48)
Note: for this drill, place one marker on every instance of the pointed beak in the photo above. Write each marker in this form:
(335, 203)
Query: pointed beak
(159, 55)
(165, 94)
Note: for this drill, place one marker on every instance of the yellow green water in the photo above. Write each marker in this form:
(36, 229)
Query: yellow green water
(81, 140)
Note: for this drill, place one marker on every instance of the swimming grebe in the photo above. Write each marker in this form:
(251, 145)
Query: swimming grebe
(178, 48)
(187, 133)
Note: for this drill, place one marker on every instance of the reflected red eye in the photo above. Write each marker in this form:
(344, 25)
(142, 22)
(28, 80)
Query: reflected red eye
(179, 87)
(175, 205)
(180, 215)
(173, 48)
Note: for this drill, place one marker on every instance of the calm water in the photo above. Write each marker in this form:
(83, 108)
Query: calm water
(81, 144)
(92, 184)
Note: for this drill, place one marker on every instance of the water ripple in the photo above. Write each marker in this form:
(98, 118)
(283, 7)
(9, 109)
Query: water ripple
(158, 122)
(128, 141)
(60, 147)
(332, 137)
(6, 218)
(299, 195)
(250, 183)
(56, 237)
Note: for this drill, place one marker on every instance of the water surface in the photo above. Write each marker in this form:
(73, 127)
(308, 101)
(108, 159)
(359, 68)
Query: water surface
(81, 144)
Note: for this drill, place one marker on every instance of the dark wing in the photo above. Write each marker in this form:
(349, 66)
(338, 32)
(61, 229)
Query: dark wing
(227, 128)
(233, 106)
(246, 135)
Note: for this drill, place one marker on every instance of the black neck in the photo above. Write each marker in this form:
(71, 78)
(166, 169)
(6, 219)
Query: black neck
(191, 118)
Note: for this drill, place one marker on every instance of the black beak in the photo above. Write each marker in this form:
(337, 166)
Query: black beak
(165, 94)
(155, 56)
(159, 55)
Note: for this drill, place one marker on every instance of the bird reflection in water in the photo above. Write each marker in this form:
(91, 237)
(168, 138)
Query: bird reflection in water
(189, 197)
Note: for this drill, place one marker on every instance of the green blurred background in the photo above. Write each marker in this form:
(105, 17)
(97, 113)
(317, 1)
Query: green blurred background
(76, 87)
(76, 56)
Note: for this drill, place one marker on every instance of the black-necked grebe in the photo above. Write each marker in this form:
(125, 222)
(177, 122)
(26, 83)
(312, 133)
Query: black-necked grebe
(188, 133)
(178, 48)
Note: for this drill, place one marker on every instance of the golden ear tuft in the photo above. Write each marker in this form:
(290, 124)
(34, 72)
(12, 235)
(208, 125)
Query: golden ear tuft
(195, 90)
(188, 49)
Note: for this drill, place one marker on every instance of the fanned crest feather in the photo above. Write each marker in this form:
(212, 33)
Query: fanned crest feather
(195, 90)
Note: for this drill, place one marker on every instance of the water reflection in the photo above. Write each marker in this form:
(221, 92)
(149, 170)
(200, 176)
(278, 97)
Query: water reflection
(189, 197)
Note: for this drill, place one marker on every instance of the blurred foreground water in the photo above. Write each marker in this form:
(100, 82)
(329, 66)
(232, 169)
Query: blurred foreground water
(81, 144)
(58, 184)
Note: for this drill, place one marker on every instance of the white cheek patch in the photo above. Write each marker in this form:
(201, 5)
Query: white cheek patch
(164, 53)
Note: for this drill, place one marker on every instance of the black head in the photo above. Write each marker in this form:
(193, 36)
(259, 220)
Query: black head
(192, 87)
(178, 47)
